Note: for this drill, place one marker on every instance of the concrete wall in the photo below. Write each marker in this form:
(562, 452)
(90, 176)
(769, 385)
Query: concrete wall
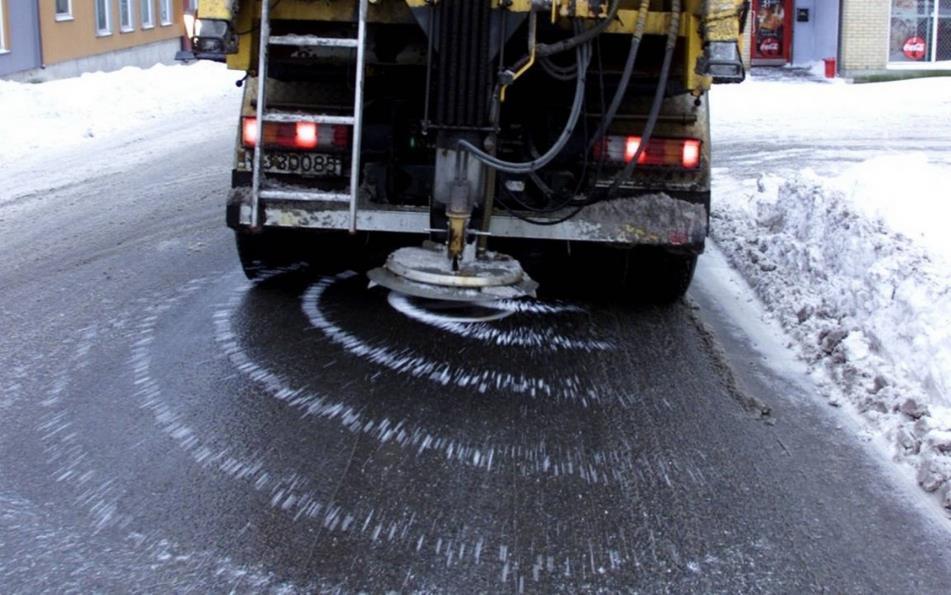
(21, 37)
(68, 40)
(818, 38)
(143, 56)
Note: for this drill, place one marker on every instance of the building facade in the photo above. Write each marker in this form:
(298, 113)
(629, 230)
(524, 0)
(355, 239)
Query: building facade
(896, 35)
(798, 32)
(19, 36)
(76, 36)
(864, 36)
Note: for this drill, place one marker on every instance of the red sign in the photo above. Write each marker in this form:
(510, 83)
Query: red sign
(914, 48)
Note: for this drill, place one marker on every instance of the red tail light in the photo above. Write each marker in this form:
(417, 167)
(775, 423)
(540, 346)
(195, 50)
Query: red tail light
(305, 135)
(295, 135)
(660, 152)
(691, 154)
(249, 132)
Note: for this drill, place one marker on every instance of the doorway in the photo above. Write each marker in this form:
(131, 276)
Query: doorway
(772, 32)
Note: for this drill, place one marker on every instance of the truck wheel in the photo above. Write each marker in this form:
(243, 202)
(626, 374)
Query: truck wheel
(263, 254)
(659, 277)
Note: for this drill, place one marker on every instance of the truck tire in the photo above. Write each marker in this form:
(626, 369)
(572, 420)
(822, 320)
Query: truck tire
(263, 254)
(659, 277)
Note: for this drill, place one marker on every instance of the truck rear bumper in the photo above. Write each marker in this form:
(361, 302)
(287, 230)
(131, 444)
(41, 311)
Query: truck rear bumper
(654, 219)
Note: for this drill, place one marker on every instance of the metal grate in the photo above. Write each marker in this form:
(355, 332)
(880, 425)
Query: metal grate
(463, 65)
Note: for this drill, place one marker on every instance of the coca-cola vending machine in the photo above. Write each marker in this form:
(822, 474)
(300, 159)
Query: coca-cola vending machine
(772, 32)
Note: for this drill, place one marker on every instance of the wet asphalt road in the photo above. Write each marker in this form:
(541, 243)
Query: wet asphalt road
(165, 426)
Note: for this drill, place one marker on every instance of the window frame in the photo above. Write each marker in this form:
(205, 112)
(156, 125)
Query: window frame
(169, 11)
(103, 7)
(150, 24)
(63, 16)
(123, 28)
(930, 62)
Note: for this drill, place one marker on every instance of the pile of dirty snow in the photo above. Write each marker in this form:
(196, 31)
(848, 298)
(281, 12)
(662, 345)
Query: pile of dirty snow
(832, 201)
(863, 287)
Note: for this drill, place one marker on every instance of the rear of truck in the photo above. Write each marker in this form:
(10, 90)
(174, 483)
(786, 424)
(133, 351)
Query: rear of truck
(468, 124)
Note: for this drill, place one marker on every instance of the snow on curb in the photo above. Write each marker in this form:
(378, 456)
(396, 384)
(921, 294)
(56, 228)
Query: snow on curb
(868, 308)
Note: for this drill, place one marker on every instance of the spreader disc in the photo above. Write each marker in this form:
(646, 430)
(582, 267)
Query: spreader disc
(427, 272)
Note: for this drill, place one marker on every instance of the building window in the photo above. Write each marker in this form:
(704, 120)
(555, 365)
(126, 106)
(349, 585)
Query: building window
(148, 17)
(126, 21)
(920, 31)
(64, 10)
(165, 12)
(103, 19)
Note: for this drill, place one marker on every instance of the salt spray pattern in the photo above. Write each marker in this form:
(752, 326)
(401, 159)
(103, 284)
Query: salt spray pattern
(537, 458)
(406, 361)
(378, 523)
(98, 491)
(545, 340)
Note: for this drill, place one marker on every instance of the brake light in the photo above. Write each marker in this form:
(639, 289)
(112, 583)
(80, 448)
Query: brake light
(305, 135)
(249, 132)
(691, 154)
(660, 152)
(295, 135)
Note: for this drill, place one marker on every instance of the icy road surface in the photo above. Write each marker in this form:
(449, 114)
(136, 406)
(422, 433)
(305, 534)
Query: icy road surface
(165, 426)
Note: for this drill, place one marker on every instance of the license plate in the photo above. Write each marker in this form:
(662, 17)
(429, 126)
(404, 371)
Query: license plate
(303, 164)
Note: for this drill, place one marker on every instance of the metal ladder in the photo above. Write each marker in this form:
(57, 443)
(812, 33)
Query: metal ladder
(264, 115)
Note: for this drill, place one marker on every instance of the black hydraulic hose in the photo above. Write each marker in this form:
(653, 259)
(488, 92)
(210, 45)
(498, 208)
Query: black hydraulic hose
(653, 115)
(549, 49)
(583, 55)
(561, 219)
(608, 117)
(659, 95)
(557, 72)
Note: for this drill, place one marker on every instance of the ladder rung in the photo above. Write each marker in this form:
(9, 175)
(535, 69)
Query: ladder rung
(315, 118)
(305, 195)
(313, 41)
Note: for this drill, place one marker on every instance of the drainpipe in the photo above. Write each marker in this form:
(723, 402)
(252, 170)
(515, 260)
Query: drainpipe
(39, 32)
(838, 24)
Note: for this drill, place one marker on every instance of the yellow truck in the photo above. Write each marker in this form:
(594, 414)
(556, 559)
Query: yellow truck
(448, 128)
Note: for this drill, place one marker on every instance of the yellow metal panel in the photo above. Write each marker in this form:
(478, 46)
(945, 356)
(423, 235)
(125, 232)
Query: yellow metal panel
(243, 22)
(722, 22)
(215, 9)
(657, 23)
(692, 51)
(575, 7)
(384, 11)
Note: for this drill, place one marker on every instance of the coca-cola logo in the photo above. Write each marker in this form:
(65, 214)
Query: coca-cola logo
(914, 48)
(769, 46)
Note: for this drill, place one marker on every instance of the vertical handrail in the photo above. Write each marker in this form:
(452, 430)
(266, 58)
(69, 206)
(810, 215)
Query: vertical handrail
(265, 34)
(358, 115)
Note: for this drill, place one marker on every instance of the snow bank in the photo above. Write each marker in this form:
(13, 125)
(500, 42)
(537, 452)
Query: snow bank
(856, 263)
(909, 193)
(868, 308)
(69, 112)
